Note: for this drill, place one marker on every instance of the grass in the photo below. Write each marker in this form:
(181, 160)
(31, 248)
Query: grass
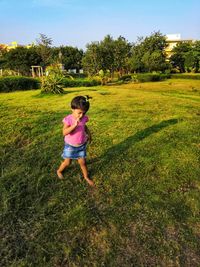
(144, 160)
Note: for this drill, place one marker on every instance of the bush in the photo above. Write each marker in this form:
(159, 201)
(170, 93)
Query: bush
(8, 72)
(125, 78)
(15, 83)
(76, 75)
(186, 76)
(151, 77)
(52, 82)
(80, 82)
(104, 76)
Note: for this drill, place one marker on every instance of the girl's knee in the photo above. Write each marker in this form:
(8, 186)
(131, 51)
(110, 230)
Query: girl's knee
(67, 162)
(82, 162)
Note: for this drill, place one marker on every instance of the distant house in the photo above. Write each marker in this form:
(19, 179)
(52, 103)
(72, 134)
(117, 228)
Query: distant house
(3, 46)
(172, 41)
(14, 45)
(71, 70)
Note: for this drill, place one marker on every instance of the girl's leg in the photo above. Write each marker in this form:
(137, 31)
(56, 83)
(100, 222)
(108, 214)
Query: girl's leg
(82, 163)
(63, 165)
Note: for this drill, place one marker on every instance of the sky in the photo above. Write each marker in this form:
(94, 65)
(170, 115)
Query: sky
(80, 22)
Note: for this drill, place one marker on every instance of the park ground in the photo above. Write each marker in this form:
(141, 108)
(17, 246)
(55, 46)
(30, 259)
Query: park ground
(144, 160)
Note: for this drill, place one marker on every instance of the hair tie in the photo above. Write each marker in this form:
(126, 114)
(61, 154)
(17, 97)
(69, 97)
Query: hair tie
(87, 97)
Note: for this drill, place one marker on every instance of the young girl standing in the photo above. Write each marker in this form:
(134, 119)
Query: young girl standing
(76, 136)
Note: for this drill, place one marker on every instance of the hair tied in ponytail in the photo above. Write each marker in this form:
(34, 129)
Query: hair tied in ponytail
(87, 97)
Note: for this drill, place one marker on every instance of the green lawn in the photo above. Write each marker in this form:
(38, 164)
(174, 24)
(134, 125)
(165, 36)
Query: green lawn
(144, 160)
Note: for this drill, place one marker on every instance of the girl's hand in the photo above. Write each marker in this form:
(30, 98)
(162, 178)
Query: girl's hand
(89, 139)
(76, 123)
(67, 129)
(88, 134)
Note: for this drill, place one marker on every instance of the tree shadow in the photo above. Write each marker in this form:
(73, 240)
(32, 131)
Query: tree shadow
(121, 148)
(48, 95)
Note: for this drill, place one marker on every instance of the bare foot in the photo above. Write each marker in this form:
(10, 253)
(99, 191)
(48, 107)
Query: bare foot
(90, 182)
(60, 176)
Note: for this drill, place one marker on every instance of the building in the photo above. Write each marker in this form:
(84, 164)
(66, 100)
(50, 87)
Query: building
(173, 40)
(14, 45)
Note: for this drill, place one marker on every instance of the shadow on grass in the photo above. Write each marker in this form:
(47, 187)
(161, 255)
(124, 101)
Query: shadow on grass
(66, 92)
(121, 148)
(47, 95)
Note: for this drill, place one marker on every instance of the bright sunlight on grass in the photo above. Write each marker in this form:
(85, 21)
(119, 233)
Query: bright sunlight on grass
(144, 160)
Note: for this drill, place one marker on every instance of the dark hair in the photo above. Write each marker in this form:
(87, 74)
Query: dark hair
(81, 102)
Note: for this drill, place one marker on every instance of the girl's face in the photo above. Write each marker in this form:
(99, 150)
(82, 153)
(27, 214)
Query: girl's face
(78, 113)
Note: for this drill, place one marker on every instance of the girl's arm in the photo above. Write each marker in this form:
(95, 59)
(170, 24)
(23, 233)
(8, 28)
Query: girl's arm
(88, 133)
(68, 129)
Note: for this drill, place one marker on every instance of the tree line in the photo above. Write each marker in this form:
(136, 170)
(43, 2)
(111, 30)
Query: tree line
(147, 54)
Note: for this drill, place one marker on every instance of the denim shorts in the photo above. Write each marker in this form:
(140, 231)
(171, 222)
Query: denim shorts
(73, 152)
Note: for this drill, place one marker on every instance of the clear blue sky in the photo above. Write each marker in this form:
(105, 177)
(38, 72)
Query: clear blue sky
(78, 22)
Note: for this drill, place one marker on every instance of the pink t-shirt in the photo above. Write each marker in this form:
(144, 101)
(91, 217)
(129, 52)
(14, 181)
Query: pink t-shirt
(78, 135)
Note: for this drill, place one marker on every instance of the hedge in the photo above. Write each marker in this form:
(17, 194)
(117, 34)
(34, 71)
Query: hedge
(150, 77)
(80, 82)
(185, 76)
(76, 75)
(16, 83)
(125, 78)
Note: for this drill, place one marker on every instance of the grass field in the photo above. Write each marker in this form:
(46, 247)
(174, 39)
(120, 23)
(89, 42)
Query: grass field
(144, 160)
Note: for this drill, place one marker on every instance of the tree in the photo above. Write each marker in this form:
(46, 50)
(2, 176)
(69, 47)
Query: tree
(135, 61)
(122, 52)
(190, 60)
(44, 44)
(155, 42)
(180, 53)
(21, 59)
(196, 55)
(154, 61)
(70, 57)
(3, 51)
(92, 59)
(148, 54)
(109, 54)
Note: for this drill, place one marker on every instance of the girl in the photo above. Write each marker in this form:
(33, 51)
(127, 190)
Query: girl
(76, 136)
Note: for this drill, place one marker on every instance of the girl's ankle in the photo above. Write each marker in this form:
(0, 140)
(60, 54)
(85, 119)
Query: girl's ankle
(59, 174)
(89, 181)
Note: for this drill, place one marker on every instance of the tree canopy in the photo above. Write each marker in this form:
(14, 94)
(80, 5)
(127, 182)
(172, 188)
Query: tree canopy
(21, 59)
(186, 56)
(109, 55)
(148, 54)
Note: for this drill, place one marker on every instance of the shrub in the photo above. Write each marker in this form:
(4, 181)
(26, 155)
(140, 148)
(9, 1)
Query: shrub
(52, 82)
(186, 76)
(151, 77)
(15, 83)
(104, 76)
(80, 82)
(76, 75)
(125, 78)
(8, 72)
